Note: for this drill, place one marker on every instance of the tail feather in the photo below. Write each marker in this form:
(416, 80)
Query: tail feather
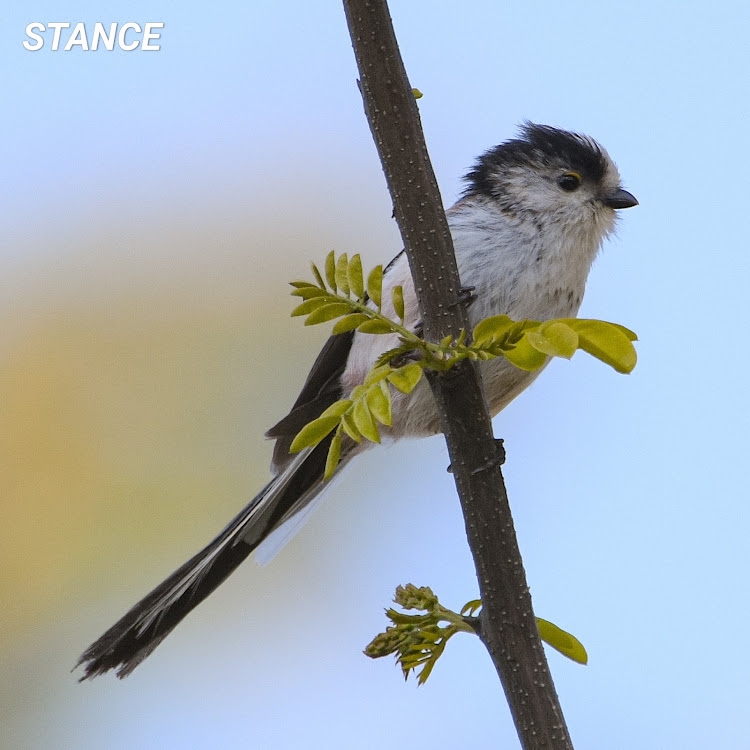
(130, 640)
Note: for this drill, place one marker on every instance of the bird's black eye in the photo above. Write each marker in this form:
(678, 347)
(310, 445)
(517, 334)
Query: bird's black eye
(569, 181)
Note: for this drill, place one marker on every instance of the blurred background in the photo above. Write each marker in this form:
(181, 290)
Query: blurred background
(154, 205)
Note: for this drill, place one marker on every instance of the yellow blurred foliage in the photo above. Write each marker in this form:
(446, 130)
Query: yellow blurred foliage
(137, 379)
(125, 426)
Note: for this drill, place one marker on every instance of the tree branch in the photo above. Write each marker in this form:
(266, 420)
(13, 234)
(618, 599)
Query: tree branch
(508, 625)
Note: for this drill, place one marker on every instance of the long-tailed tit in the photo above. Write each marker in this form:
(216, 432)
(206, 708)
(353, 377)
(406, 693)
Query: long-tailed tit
(532, 218)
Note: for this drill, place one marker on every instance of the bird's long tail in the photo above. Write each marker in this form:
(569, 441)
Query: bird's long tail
(129, 641)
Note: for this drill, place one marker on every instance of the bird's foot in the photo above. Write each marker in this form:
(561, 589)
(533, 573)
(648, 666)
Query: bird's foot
(466, 296)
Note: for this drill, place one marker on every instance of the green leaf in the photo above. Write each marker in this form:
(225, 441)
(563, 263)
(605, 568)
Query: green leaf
(375, 285)
(338, 408)
(379, 402)
(573, 322)
(565, 643)
(311, 434)
(387, 395)
(301, 284)
(398, 301)
(525, 356)
(349, 323)
(364, 421)
(347, 423)
(519, 328)
(555, 339)
(326, 312)
(471, 607)
(492, 328)
(375, 326)
(447, 341)
(310, 291)
(334, 455)
(318, 277)
(331, 270)
(342, 279)
(430, 663)
(354, 275)
(607, 342)
(377, 374)
(632, 336)
(406, 378)
(308, 306)
(358, 392)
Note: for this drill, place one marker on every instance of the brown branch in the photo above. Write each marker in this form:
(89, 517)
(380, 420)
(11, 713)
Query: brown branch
(508, 625)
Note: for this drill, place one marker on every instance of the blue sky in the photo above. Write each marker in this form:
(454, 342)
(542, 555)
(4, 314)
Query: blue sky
(155, 204)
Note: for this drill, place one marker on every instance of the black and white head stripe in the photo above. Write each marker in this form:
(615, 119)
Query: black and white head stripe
(539, 145)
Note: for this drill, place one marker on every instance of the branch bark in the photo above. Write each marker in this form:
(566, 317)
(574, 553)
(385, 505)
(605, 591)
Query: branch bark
(508, 625)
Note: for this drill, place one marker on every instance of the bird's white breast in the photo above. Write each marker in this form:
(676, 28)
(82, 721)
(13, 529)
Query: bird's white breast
(520, 269)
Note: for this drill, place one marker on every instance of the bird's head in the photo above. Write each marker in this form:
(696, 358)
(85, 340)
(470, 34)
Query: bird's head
(551, 175)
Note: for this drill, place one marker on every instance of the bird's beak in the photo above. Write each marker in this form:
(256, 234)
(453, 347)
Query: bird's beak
(620, 199)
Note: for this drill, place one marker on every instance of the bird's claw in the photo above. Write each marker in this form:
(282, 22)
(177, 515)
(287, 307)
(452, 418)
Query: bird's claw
(466, 296)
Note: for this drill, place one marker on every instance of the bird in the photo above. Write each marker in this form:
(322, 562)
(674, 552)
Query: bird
(532, 217)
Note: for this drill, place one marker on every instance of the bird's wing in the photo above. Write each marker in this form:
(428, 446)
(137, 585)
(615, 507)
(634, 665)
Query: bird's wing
(321, 389)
